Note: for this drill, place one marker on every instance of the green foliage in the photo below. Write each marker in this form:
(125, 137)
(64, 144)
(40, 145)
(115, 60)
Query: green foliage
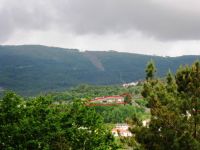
(27, 124)
(41, 124)
(119, 114)
(174, 107)
(128, 98)
(150, 70)
(85, 129)
(142, 102)
(130, 142)
(110, 114)
(89, 92)
(188, 81)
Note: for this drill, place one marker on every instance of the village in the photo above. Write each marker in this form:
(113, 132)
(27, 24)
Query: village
(123, 129)
(120, 129)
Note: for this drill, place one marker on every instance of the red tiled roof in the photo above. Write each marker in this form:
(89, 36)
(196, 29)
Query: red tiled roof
(111, 104)
(105, 97)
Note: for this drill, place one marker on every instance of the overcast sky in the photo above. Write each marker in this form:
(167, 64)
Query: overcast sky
(159, 27)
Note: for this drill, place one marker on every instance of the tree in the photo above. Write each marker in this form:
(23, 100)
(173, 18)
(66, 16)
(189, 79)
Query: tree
(150, 70)
(27, 124)
(84, 129)
(188, 82)
(40, 124)
(127, 98)
(12, 108)
(170, 102)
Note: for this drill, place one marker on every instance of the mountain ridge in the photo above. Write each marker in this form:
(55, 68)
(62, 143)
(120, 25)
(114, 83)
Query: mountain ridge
(31, 69)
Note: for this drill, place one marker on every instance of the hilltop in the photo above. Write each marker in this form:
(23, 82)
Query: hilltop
(31, 69)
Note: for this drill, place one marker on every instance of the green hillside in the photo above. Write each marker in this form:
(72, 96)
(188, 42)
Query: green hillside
(32, 69)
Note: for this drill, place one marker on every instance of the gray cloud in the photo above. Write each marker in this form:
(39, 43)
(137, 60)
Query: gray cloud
(148, 17)
(144, 26)
(24, 15)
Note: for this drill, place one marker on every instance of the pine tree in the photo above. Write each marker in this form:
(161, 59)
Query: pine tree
(150, 70)
(188, 81)
(174, 107)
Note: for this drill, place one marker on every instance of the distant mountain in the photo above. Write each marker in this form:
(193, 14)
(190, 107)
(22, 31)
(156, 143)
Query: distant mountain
(31, 69)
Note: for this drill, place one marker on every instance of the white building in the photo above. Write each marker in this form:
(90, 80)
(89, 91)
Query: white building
(130, 84)
(121, 130)
(146, 122)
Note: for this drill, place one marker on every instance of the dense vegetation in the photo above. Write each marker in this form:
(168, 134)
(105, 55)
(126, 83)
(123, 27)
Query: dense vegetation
(175, 110)
(40, 124)
(121, 113)
(51, 122)
(31, 70)
(111, 114)
(89, 92)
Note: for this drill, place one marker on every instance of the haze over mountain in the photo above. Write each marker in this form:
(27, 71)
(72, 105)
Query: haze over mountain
(31, 69)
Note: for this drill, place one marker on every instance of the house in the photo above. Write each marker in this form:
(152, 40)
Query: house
(108, 100)
(121, 130)
(130, 84)
(146, 122)
(123, 126)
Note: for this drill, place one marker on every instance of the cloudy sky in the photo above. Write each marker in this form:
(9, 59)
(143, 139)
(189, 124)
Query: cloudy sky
(158, 27)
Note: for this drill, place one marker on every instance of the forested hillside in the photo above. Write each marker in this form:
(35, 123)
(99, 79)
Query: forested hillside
(33, 69)
(48, 122)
